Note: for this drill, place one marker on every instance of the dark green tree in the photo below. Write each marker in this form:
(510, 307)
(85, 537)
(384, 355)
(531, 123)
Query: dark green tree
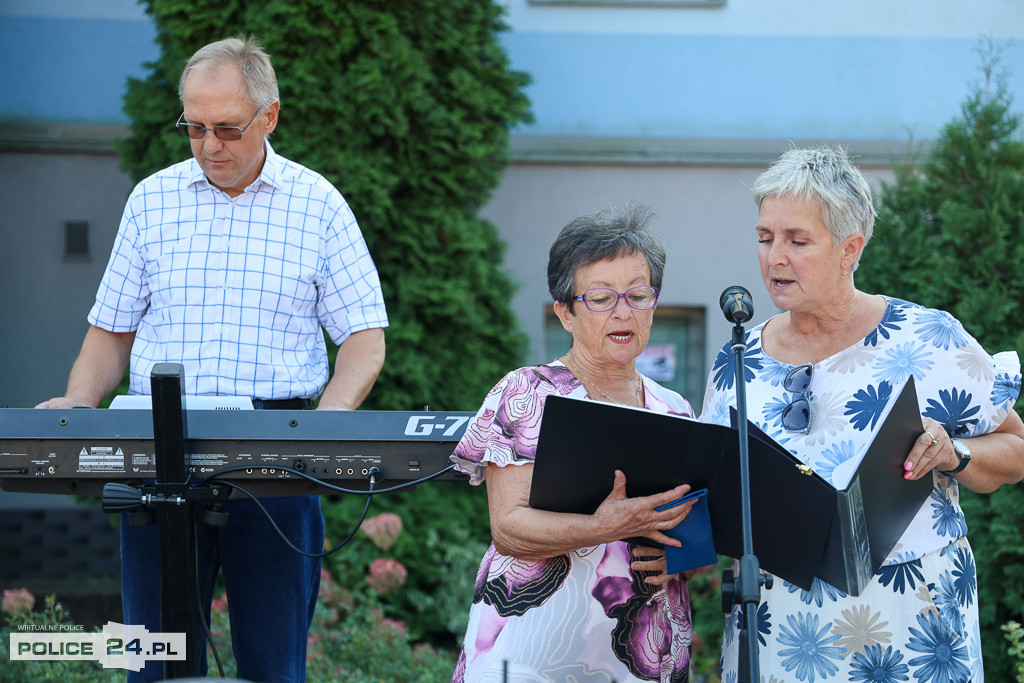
(950, 235)
(406, 107)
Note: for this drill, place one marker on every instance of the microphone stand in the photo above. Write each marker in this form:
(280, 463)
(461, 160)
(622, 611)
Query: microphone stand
(748, 591)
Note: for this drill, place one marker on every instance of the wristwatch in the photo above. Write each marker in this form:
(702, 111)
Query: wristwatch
(965, 456)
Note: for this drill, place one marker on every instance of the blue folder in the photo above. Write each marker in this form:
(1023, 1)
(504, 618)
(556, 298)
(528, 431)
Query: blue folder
(698, 549)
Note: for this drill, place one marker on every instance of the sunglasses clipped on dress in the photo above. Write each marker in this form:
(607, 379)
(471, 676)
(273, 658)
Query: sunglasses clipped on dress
(796, 416)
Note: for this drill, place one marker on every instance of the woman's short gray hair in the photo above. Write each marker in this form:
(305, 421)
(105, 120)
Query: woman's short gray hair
(825, 174)
(604, 235)
(251, 60)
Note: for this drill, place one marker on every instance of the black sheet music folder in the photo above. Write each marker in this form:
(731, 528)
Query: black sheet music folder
(802, 526)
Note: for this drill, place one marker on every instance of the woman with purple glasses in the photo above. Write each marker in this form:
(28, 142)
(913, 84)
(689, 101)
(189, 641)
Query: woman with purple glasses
(558, 596)
(819, 376)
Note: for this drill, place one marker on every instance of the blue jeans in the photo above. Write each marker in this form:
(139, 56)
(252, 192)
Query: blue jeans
(272, 590)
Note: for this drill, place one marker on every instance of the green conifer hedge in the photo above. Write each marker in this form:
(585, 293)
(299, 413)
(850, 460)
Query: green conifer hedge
(406, 106)
(950, 235)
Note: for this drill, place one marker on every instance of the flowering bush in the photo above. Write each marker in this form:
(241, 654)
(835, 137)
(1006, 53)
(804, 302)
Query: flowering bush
(395, 624)
(386, 575)
(383, 529)
(220, 604)
(17, 600)
(17, 611)
(365, 647)
(351, 640)
(444, 533)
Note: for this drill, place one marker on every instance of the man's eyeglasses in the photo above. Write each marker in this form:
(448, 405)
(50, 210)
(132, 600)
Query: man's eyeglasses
(194, 131)
(601, 299)
(796, 417)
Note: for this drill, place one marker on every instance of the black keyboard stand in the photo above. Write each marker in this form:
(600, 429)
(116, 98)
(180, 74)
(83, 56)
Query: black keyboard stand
(170, 501)
(179, 601)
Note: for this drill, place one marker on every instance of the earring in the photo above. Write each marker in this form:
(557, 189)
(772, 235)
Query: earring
(844, 274)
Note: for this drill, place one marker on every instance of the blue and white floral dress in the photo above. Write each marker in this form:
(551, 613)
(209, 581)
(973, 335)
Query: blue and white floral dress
(918, 619)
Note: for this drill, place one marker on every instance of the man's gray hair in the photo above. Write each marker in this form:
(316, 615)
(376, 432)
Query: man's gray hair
(251, 60)
(604, 235)
(825, 174)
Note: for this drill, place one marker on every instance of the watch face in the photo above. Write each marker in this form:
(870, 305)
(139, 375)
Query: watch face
(963, 452)
(961, 448)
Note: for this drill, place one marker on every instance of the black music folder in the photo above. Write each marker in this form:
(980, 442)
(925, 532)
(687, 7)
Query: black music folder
(802, 526)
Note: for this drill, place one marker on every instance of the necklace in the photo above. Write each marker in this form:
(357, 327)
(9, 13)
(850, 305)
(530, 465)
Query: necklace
(586, 380)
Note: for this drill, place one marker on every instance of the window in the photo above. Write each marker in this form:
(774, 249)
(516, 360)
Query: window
(76, 241)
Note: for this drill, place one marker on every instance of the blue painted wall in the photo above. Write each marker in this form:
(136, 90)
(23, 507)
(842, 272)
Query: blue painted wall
(70, 70)
(585, 84)
(747, 86)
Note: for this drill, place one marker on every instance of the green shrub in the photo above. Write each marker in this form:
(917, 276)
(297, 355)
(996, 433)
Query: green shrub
(350, 640)
(950, 236)
(366, 647)
(406, 107)
(445, 532)
(708, 621)
(1015, 636)
(17, 613)
(444, 535)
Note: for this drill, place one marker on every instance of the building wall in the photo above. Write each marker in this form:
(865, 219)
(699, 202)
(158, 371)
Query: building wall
(68, 61)
(45, 297)
(743, 70)
(705, 215)
(678, 107)
(749, 69)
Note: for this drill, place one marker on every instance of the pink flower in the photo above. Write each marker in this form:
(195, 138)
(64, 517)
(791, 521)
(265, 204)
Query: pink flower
(395, 624)
(17, 600)
(424, 651)
(383, 529)
(312, 647)
(386, 575)
(328, 588)
(220, 604)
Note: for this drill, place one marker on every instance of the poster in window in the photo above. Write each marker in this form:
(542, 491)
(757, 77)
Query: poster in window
(658, 361)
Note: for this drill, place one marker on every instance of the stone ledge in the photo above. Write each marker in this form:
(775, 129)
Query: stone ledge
(690, 151)
(524, 149)
(60, 137)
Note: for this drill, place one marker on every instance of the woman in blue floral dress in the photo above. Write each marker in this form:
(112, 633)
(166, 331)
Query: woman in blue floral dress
(818, 377)
(558, 596)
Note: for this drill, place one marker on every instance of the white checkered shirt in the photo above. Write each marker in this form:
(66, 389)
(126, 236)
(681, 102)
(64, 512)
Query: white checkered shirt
(237, 289)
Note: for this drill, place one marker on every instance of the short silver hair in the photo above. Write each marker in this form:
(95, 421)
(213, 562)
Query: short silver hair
(251, 60)
(826, 174)
(605, 235)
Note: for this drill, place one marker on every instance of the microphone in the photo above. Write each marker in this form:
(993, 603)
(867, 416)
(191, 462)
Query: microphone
(737, 305)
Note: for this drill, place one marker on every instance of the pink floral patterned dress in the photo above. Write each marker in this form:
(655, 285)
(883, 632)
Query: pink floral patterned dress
(582, 616)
